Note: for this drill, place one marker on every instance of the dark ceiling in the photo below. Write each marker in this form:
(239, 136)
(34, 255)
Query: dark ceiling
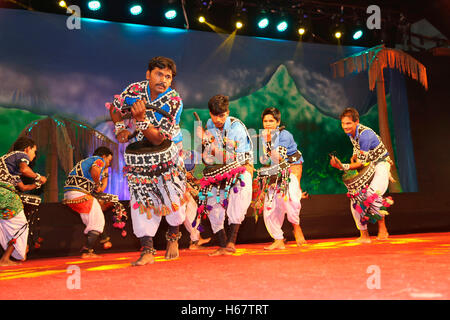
(320, 16)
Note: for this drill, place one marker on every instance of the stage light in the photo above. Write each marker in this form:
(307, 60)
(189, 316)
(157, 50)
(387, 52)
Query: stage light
(263, 23)
(282, 26)
(239, 25)
(62, 4)
(136, 10)
(201, 19)
(357, 34)
(170, 14)
(338, 34)
(94, 5)
(301, 31)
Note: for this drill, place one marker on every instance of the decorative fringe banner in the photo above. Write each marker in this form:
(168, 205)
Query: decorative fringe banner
(375, 60)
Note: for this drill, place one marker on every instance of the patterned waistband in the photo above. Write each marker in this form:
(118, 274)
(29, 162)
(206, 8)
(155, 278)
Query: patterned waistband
(273, 170)
(241, 159)
(152, 159)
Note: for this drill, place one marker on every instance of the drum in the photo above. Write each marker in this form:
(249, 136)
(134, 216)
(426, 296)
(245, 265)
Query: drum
(107, 201)
(149, 169)
(273, 174)
(31, 207)
(355, 180)
(223, 177)
(31, 200)
(149, 158)
(276, 176)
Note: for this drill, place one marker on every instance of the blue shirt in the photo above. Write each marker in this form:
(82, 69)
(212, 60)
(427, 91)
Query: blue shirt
(368, 139)
(165, 107)
(285, 139)
(235, 131)
(13, 162)
(86, 166)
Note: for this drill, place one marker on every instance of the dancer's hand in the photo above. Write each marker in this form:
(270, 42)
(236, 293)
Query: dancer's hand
(138, 110)
(336, 163)
(122, 137)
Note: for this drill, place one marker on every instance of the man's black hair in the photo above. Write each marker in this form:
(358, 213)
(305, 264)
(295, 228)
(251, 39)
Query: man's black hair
(218, 104)
(102, 151)
(22, 143)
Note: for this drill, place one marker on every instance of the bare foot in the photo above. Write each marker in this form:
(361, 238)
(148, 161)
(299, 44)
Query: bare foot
(145, 258)
(231, 247)
(298, 234)
(220, 252)
(8, 263)
(382, 230)
(89, 255)
(277, 244)
(194, 245)
(203, 241)
(107, 245)
(363, 240)
(172, 250)
(383, 235)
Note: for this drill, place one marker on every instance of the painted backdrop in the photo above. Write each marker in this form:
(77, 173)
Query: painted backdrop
(48, 70)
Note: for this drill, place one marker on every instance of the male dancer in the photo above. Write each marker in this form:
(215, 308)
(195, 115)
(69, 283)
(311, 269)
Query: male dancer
(366, 201)
(154, 165)
(191, 206)
(284, 197)
(13, 222)
(83, 181)
(227, 140)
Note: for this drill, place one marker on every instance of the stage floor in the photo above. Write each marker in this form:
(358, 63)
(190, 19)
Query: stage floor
(410, 266)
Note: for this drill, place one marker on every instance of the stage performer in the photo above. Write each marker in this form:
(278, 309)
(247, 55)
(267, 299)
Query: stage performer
(278, 181)
(154, 167)
(226, 186)
(83, 190)
(191, 159)
(13, 222)
(366, 177)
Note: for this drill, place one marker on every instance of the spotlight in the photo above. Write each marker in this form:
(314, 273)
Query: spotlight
(282, 26)
(94, 5)
(170, 14)
(263, 23)
(62, 4)
(239, 18)
(301, 31)
(338, 34)
(357, 34)
(170, 9)
(201, 19)
(136, 10)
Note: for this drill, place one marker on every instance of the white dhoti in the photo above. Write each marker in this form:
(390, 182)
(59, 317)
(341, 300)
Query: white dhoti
(95, 219)
(238, 204)
(16, 228)
(191, 215)
(379, 185)
(146, 224)
(288, 204)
